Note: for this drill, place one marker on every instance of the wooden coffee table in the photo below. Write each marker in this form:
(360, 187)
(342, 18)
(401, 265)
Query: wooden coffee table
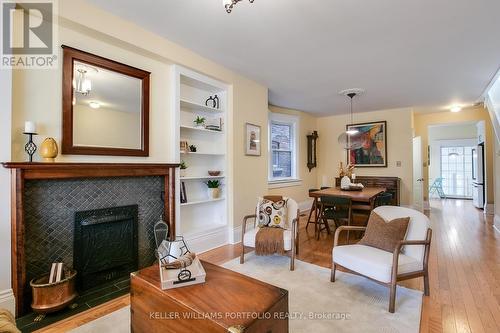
(226, 302)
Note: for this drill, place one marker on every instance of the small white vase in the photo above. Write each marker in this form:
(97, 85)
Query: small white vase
(345, 182)
(213, 193)
(183, 172)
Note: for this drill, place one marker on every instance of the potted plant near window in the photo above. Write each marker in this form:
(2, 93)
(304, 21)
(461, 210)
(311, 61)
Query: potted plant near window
(199, 122)
(183, 167)
(213, 189)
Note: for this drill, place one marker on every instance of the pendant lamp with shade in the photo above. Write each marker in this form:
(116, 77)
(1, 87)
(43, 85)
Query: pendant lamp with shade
(350, 139)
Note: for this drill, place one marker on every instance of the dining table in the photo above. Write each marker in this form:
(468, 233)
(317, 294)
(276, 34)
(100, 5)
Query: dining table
(366, 196)
(362, 200)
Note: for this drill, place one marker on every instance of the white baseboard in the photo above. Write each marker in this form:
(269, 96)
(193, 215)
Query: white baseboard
(305, 205)
(496, 222)
(236, 235)
(207, 241)
(489, 209)
(7, 300)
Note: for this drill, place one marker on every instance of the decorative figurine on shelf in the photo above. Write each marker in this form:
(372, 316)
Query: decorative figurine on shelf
(184, 147)
(49, 150)
(192, 148)
(199, 122)
(30, 147)
(214, 101)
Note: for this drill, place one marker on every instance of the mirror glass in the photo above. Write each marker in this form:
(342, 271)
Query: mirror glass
(106, 108)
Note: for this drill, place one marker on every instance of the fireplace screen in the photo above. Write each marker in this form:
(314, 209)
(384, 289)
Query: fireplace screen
(105, 245)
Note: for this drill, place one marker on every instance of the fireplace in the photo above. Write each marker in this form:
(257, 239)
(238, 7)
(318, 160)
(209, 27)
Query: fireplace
(46, 197)
(105, 245)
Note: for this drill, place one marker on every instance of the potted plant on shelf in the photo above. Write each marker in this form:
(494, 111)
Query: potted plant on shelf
(199, 122)
(183, 167)
(192, 148)
(213, 189)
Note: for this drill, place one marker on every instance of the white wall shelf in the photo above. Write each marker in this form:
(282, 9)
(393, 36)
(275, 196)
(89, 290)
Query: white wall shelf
(196, 107)
(202, 153)
(199, 202)
(192, 128)
(201, 177)
(203, 221)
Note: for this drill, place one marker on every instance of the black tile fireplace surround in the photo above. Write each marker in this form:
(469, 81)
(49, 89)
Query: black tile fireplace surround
(52, 205)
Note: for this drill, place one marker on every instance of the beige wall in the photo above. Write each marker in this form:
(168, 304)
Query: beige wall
(307, 124)
(422, 122)
(37, 95)
(399, 147)
(497, 181)
(6, 296)
(106, 127)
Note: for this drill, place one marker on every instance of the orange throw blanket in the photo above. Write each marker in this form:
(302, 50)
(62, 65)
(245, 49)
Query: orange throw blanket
(269, 241)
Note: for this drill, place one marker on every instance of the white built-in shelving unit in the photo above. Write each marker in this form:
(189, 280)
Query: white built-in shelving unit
(201, 220)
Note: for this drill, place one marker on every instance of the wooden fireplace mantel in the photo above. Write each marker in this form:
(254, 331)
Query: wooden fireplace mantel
(22, 171)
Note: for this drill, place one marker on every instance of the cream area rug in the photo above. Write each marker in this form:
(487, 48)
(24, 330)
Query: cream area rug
(351, 304)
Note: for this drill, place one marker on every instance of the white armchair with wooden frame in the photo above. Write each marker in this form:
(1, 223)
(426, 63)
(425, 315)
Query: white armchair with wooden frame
(290, 235)
(409, 259)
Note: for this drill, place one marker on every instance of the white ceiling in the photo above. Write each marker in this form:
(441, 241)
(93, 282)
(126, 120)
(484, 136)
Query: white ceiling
(404, 53)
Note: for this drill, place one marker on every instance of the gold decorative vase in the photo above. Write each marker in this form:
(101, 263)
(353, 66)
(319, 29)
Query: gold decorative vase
(49, 150)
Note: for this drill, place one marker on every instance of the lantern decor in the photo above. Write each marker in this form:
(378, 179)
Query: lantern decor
(178, 266)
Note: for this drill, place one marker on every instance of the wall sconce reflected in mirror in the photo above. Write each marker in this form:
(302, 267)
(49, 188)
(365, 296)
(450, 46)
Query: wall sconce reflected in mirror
(311, 150)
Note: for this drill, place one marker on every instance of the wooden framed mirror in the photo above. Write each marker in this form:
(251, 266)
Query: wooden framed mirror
(105, 106)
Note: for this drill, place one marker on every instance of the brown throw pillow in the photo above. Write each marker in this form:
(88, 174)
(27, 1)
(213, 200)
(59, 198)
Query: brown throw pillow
(384, 235)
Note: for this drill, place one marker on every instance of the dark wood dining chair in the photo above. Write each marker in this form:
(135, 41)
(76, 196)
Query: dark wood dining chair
(383, 199)
(336, 208)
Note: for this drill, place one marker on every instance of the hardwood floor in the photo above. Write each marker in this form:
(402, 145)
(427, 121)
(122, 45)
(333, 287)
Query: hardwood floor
(464, 271)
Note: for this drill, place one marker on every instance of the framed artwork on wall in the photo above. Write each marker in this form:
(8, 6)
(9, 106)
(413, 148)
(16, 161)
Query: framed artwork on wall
(252, 140)
(368, 145)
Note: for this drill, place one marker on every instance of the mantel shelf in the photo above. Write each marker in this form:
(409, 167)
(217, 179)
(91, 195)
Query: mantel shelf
(37, 170)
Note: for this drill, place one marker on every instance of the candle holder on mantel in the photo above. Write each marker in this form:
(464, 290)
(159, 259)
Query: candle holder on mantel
(30, 147)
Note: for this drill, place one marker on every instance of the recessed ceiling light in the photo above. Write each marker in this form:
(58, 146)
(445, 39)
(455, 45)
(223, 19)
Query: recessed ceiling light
(94, 105)
(456, 108)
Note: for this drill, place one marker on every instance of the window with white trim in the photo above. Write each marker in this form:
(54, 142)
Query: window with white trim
(283, 148)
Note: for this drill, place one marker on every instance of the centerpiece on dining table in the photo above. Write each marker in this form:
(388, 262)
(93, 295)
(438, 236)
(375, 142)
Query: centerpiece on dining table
(347, 177)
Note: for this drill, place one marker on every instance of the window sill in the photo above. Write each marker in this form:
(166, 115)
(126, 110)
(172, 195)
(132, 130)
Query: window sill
(284, 183)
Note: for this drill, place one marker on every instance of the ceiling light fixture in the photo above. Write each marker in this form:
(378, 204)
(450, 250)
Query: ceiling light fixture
(94, 105)
(81, 83)
(456, 108)
(351, 93)
(350, 138)
(229, 4)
